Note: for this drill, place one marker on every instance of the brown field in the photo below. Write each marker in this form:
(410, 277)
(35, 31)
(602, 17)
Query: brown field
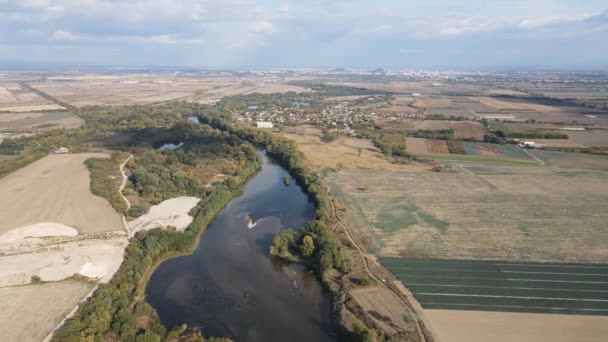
(499, 104)
(131, 89)
(416, 146)
(430, 103)
(558, 143)
(591, 138)
(437, 146)
(515, 212)
(30, 313)
(395, 110)
(432, 125)
(482, 326)
(344, 150)
(506, 92)
(55, 189)
(468, 129)
(38, 120)
(384, 307)
(31, 108)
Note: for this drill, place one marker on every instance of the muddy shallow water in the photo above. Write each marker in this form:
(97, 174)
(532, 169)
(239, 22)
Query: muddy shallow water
(232, 287)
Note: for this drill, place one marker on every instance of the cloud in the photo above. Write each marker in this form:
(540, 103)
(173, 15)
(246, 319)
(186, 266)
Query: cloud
(264, 27)
(61, 35)
(323, 32)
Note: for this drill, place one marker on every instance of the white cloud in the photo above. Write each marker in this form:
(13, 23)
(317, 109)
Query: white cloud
(284, 8)
(170, 40)
(61, 35)
(264, 27)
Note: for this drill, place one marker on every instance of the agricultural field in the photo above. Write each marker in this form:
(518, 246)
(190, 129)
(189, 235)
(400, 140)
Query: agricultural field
(489, 211)
(55, 189)
(467, 151)
(344, 152)
(15, 98)
(492, 245)
(576, 289)
(468, 130)
(124, 89)
(482, 326)
(38, 120)
(30, 313)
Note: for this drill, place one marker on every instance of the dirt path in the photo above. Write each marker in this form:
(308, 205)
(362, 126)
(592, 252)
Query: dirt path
(540, 161)
(121, 188)
(381, 281)
(124, 181)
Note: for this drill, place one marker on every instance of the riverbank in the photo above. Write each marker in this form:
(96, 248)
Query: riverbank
(335, 255)
(117, 310)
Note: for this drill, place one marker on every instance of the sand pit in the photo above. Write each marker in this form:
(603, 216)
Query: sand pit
(55, 189)
(31, 312)
(37, 230)
(172, 212)
(473, 326)
(98, 259)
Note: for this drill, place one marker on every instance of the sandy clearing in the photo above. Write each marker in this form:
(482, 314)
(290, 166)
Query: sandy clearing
(55, 189)
(94, 258)
(472, 326)
(29, 313)
(32, 108)
(38, 230)
(172, 212)
(8, 117)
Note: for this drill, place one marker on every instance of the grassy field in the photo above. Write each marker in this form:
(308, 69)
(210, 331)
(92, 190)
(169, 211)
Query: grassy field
(495, 211)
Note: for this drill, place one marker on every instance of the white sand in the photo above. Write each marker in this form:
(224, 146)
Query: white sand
(38, 230)
(94, 258)
(172, 212)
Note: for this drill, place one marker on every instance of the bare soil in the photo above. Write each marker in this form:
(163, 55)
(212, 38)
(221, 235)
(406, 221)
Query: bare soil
(481, 326)
(29, 313)
(55, 189)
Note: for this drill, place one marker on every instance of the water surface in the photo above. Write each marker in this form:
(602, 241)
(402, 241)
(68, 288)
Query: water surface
(231, 286)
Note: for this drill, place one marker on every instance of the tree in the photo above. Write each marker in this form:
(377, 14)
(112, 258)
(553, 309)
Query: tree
(339, 166)
(308, 246)
(359, 150)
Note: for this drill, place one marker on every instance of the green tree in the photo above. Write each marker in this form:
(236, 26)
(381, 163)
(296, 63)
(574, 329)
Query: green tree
(308, 246)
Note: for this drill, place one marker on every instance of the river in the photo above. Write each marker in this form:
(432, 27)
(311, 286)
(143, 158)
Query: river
(232, 287)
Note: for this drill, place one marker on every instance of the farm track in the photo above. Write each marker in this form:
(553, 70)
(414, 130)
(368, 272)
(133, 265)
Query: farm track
(121, 188)
(365, 256)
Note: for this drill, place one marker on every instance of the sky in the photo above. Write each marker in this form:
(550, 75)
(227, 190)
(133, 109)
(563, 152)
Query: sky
(397, 34)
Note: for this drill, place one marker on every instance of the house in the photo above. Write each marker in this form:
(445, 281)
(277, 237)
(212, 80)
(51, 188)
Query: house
(264, 124)
(62, 150)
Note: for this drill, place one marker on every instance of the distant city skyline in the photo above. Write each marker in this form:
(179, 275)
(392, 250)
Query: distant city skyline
(391, 34)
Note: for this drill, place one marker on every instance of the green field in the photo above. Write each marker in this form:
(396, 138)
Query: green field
(505, 286)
